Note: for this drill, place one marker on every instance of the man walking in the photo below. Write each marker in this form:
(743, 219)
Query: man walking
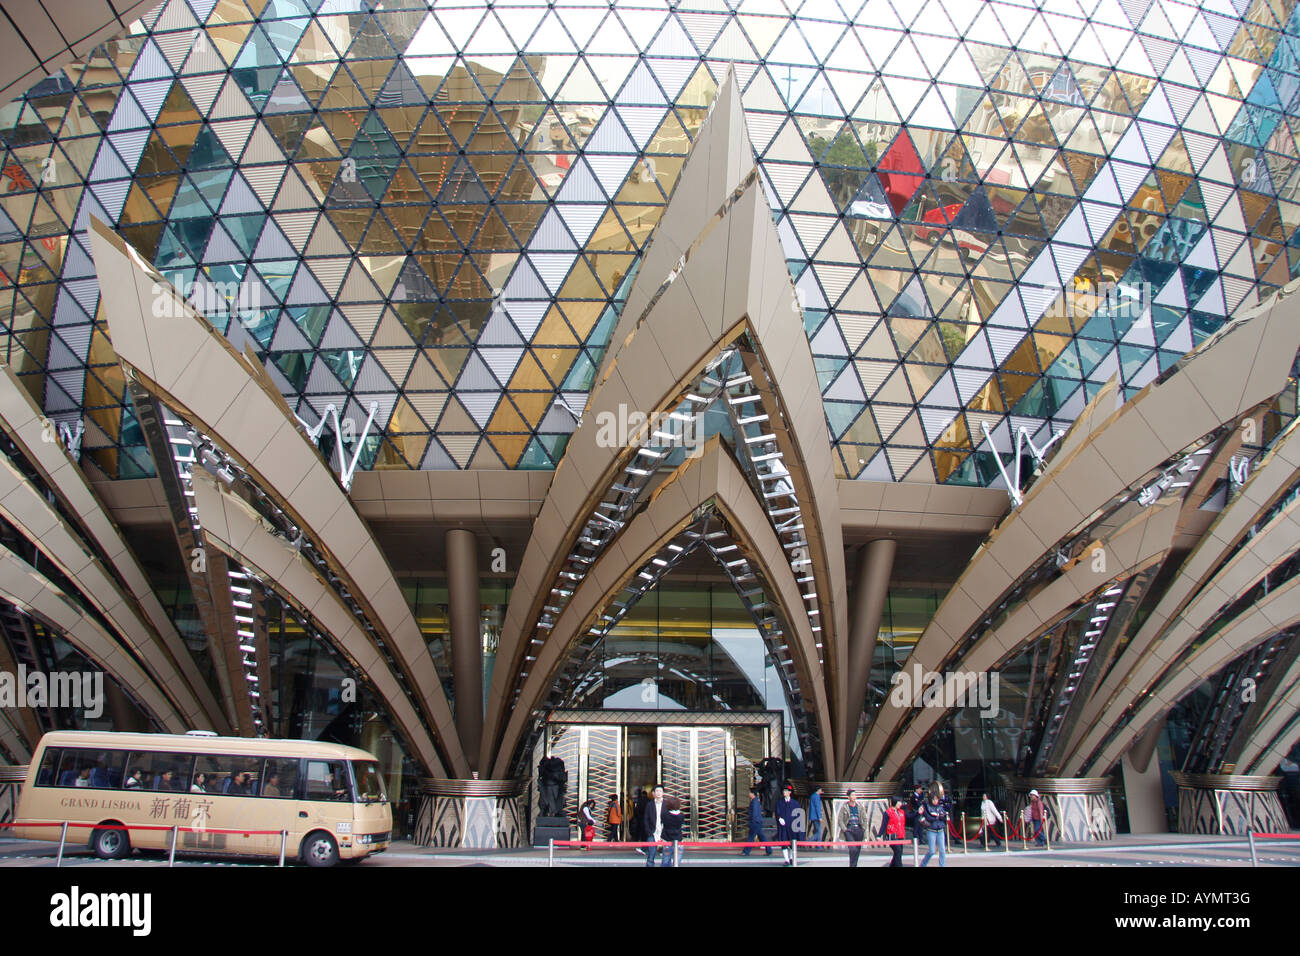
(653, 828)
(854, 830)
(815, 815)
(755, 823)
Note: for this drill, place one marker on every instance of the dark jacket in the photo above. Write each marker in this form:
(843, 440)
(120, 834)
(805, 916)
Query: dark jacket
(672, 831)
(650, 820)
(756, 814)
(933, 816)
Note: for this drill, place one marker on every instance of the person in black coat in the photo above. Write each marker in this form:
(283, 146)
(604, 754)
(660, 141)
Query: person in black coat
(789, 821)
(653, 824)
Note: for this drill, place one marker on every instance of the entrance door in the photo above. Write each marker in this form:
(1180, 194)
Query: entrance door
(694, 765)
(593, 756)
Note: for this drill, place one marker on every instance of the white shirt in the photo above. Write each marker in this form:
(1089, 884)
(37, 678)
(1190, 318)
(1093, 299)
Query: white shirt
(990, 812)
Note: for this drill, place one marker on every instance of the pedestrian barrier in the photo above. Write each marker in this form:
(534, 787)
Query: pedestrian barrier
(175, 832)
(791, 845)
(1251, 834)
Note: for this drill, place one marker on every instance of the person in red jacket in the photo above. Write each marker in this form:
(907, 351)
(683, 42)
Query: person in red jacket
(893, 827)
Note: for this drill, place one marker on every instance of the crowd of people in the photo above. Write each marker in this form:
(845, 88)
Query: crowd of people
(657, 818)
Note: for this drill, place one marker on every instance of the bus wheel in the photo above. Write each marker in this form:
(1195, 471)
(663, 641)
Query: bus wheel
(319, 849)
(110, 844)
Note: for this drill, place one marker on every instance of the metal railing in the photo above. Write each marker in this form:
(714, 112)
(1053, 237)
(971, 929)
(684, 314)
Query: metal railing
(1251, 834)
(676, 846)
(174, 830)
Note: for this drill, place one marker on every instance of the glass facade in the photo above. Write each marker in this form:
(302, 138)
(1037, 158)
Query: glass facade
(988, 209)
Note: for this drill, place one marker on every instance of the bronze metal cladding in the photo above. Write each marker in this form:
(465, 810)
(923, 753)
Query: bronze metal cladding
(182, 360)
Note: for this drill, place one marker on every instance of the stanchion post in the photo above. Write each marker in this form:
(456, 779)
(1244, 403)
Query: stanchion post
(916, 853)
(1006, 835)
(550, 855)
(1254, 860)
(794, 852)
(965, 850)
(1025, 823)
(1047, 833)
(171, 854)
(284, 840)
(63, 839)
(984, 829)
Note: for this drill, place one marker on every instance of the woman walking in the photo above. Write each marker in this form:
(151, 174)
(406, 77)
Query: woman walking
(894, 827)
(932, 821)
(672, 831)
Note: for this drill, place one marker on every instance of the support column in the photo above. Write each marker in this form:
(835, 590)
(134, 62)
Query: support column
(1229, 804)
(1145, 746)
(870, 588)
(126, 717)
(1079, 809)
(466, 642)
(471, 814)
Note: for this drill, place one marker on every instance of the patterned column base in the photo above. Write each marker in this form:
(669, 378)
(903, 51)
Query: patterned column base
(1229, 804)
(471, 814)
(1079, 808)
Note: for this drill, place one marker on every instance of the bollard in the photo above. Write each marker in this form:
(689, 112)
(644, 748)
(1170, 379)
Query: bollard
(550, 855)
(284, 839)
(1254, 860)
(964, 848)
(171, 856)
(63, 838)
(916, 853)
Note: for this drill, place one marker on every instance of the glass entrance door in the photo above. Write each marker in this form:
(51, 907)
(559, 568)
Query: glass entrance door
(593, 758)
(695, 765)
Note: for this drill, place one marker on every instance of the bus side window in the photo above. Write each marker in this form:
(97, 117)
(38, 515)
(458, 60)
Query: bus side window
(280, 776)
(82, 767)
(158, 771)
(326, 780)
(49, 763)
(218, 773)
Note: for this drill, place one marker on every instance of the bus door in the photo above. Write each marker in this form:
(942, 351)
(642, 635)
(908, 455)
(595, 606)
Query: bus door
(326, 802)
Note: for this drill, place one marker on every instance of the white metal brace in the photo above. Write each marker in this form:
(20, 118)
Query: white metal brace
(1022, 439)
(347, 468)
(72, 436)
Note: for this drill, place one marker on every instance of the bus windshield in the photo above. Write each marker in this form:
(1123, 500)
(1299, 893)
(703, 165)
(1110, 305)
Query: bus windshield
(370, 785)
